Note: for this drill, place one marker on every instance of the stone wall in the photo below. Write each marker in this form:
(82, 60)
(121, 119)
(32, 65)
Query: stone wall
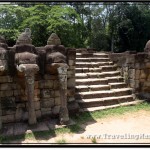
(47, 98)
(46, 95)
(135, 68)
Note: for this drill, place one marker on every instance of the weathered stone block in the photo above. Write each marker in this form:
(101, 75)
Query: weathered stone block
(148, 78)
(70, 73)
(137, 65)
(19, 114)
(147, 84)
(6, 93)
(56, 110)
(8, 111)
(146, 60)
(56, 84)
(71, 54)
(36, 92)
(70, 99)
(131, 73)
(14, 86)
(142, 74)
(137, 84)
(131, 66)
(8, 118)
(50, 77)
(46, 93)
(46, 84)
(71, 92)
(25, 116)
(57, 93)
(17, 92)
(37, 105)
(130, 59)
(47, 103)
(36, 98)
(71, 82)
(6, 86)
(72, 67)
(8, 102)
(23, 98)
(36, 84)
(46, 111)
(38, 113)
(137, 74)
(71, 62)
(57, 101)
(147, 65)
(20, 105)
(5, 79)
(142, 80)
(132, 83)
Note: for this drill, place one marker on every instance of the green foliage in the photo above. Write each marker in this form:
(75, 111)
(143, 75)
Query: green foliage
(91, 116)
(117, 26)
(65, 22)
(61, 141)
(94, 140)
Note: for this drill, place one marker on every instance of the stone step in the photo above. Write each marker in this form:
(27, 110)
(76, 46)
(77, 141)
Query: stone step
(109, 68)
(93, 81)
(92, 64)
(84, 50)
(86, 70)
(85, 88)
(110, 107)
(102, 94)
(85, 55)
(115, 79)
(97, 74)
(91, 59)
(85, 103)
(118, 85)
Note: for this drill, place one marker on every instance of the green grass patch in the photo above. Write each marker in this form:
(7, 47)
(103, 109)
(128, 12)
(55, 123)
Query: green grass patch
(89, 116)
(70, 129)
(61, 141)
(94, 140)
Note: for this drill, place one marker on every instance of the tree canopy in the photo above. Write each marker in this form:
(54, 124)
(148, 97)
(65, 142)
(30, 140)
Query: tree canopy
(116, 26)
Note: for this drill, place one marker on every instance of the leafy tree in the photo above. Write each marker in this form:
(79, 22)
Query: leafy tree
(65, 22)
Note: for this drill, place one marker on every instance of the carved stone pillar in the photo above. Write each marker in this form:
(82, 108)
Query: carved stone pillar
(29, 72)
(62, 75)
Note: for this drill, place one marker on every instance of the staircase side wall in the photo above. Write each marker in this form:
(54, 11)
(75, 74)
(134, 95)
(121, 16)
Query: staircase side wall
(135, 68)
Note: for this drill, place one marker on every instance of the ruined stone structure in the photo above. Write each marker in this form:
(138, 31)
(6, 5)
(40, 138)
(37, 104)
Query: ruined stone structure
(54, 81)
(135, 68)
(36, 82)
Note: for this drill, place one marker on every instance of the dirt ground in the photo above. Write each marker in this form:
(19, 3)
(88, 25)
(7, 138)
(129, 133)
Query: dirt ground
(128, 128)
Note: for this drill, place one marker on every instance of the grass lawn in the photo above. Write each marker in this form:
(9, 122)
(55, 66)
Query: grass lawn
(79, 119)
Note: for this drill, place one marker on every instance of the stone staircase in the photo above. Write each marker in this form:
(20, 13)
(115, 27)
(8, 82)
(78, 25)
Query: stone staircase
(99, 85)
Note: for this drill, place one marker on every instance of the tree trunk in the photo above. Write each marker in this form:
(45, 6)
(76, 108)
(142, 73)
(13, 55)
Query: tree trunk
(112, 43)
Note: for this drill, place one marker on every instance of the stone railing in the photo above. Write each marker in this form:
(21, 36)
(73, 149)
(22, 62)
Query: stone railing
(36, 82)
